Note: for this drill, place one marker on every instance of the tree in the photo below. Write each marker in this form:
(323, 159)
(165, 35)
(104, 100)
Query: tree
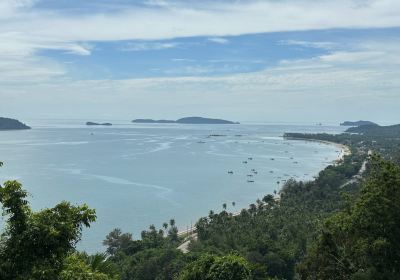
(362, 241)
(209, 267)
(150, 264)
(116, 241)
(35, 244)
(76, 268)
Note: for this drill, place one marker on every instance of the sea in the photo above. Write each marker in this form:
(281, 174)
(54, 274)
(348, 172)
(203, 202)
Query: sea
(136, 175)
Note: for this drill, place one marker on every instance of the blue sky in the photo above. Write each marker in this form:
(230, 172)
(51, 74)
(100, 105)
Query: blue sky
(260, 61)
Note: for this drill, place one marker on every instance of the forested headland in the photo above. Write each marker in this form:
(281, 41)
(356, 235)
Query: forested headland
(344, 224)
(12, 124)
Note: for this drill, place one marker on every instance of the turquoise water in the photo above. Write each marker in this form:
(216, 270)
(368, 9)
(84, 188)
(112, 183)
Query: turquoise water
(137, 175)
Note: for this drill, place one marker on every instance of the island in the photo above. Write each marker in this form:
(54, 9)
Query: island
(152, 121)
(357, 123)
(12, 124)
(187, 120)
(94, 123)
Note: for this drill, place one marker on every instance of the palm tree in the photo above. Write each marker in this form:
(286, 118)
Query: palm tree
(211, 214)
(172, 222)
(99, 263)
(233, 203)
(224, 206)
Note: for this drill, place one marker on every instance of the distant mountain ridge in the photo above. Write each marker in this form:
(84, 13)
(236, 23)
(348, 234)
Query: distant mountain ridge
(357, 123)
(12, 124)
(187, 120)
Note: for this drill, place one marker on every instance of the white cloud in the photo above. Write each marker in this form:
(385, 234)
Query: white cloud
(205, 19)
(218, 40)
(28, 70)
(157, 3)
(365, 70)
(8, 8)
(309, 44)
(362, 70)
(149, 46)
(25, 29)
(352, 56)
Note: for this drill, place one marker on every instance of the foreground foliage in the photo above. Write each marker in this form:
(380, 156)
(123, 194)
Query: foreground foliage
(35, 244)
(209, 267)
(362, 241)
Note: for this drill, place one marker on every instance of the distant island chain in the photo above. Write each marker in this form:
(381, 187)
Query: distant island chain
(187, 120)
(13, 124)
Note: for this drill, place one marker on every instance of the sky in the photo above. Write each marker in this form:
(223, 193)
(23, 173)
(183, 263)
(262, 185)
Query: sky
(251, 61)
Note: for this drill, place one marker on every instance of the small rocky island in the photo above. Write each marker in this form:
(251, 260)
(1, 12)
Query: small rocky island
(187, 120)
(12, 124)
(357, 123)
(94, 123)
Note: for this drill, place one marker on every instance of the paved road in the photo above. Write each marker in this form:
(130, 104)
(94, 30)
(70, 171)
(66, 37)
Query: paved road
(358, 176)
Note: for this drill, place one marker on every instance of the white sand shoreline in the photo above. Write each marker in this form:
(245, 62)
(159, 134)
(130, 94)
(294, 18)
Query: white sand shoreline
(344, 151)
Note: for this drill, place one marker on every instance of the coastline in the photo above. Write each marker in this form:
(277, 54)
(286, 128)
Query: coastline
(344, 149)
(190, 232)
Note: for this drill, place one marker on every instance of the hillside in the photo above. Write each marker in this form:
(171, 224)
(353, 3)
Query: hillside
(376, 130)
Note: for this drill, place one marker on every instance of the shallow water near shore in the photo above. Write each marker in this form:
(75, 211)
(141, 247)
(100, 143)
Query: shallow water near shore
(136, 175)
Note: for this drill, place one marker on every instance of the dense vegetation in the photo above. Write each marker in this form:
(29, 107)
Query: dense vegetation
(342, 225)
(40, 245)
(362, 240)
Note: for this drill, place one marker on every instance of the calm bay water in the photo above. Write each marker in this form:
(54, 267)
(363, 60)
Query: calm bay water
(137, 175)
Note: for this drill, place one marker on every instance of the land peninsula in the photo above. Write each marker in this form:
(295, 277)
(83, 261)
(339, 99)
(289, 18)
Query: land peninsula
(12, 124)
(187, 120)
